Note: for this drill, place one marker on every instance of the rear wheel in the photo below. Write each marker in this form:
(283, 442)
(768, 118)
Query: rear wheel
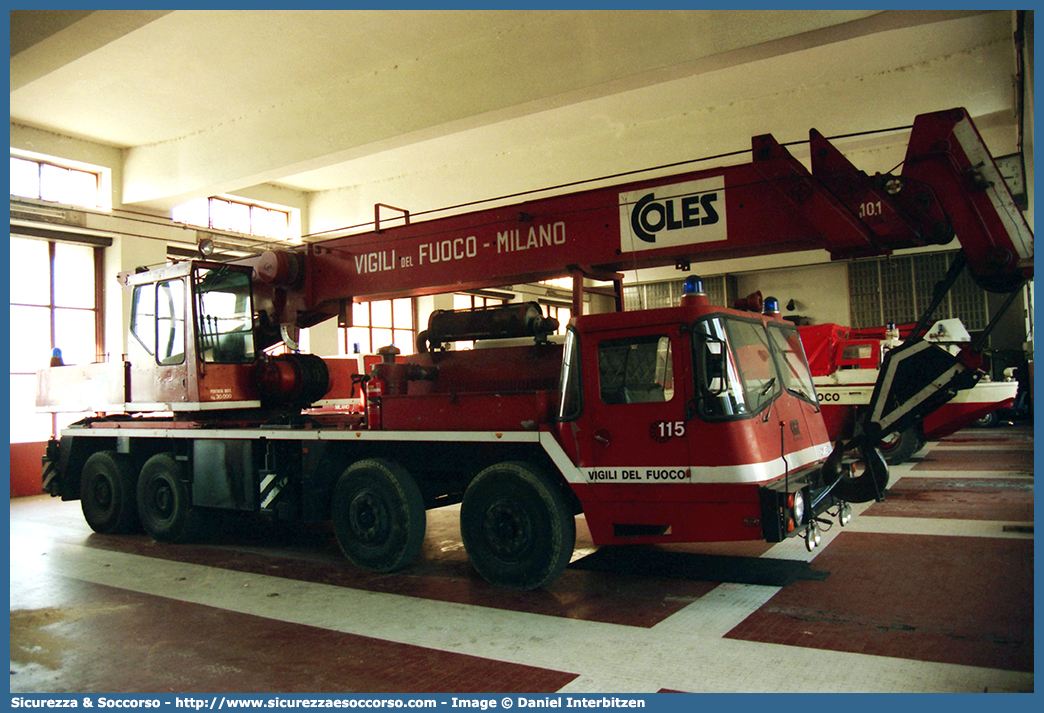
(378, 515)
(898, 447)
(517, 527)
(165, 501)
(107, 495)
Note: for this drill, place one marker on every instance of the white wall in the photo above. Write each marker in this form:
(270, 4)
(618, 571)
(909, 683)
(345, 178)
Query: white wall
(820, 292)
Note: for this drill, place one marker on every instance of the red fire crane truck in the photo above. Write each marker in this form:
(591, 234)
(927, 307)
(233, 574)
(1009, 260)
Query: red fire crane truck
(689, 423)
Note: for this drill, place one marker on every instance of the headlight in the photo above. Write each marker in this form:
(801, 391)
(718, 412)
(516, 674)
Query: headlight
(799, 507)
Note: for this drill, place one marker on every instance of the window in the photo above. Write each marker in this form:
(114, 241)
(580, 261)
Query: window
(651, 295)
(225, 316)
(562, 314)
(791, 362)
(470, 301)
(235, 217)
(170, 322)
(53, 304)
(45, 181)
(571, 402)
(899, 289)
(462, 300)
(380, 323)
(734, 368)
(635, 370)
(143, 316)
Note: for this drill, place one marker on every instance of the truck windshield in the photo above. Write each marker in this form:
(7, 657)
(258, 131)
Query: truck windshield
(791, 362)
(224, 315)
(735, 370)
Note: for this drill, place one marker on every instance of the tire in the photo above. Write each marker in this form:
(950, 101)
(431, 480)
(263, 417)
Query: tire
(517, 527)
(378, 515)
(107, 493)
(900, 446)
(988, 420)
(165, 501)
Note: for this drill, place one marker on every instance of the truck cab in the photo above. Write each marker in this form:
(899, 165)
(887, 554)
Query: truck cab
(672, 413)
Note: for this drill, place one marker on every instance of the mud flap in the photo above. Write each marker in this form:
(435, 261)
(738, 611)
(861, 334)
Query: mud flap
(50, 476)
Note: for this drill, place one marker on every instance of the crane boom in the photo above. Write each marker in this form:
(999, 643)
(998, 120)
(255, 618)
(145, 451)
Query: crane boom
(773, 204)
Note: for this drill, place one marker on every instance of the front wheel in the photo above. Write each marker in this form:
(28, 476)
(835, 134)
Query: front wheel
(378, 515)
(517, 527)
(107, 495)
(165, 501)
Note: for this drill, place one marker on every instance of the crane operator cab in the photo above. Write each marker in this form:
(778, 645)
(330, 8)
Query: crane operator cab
(191, 344)
(694, 423)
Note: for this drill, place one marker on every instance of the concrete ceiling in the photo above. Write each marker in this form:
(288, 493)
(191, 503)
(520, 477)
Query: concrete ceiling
(432, 108)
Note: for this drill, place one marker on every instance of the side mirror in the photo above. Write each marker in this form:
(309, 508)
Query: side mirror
(712, 376)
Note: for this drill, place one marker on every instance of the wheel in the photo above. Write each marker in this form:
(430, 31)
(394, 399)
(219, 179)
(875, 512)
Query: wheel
(517, 527)
(165, 501)
(988, 420)
(378, 515)
(107, 493)
(898, 447)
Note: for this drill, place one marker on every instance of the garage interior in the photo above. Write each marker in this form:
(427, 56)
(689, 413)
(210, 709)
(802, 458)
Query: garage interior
(307, 120)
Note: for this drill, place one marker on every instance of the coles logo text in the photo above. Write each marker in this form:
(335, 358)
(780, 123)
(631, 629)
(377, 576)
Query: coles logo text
(673, 215)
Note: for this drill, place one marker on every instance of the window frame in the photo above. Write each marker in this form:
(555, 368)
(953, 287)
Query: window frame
(807, 390)
(176, 316)
(345, 333)
(230, 204)
(98, 309)
(223, 349)
(571, 379)
(41, 164)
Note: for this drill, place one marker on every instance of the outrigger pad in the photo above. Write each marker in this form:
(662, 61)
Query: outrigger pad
(916, 378)
(648, 561)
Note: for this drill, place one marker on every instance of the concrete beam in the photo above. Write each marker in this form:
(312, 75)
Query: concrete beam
(45, 40)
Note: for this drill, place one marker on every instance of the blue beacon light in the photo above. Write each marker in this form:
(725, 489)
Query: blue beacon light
(692, 292)
(693, 285)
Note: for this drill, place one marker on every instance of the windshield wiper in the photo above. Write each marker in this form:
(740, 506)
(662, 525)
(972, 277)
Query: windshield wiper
(767, 386)
(804, 394)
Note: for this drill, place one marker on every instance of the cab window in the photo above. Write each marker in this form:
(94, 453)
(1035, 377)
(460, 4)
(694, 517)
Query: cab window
(225, 315)
(170, 322)
(792, 364)
(635, 370)
(143, 316)
(570, 403)
(734, 368)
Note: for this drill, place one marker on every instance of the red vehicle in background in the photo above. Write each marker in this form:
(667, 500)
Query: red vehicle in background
(845, 365)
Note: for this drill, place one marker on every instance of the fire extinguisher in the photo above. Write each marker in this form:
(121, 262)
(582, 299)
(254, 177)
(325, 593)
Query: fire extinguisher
(375, 388)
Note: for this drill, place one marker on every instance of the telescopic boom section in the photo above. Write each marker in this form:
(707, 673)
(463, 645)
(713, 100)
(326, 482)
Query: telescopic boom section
(949, 185)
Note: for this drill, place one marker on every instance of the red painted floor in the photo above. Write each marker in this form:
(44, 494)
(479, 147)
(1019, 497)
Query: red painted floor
(961, 600)
(163, 645)
(966, 498)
